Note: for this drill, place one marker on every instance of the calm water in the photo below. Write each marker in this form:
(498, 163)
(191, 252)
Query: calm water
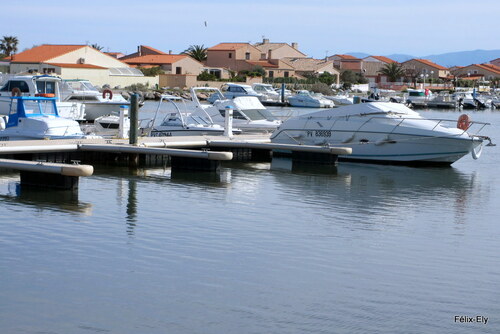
(257, 249)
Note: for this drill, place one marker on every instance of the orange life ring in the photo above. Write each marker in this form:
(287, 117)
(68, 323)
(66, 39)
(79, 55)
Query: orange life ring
(45, 95)
(16, 91)
(107, 92)
(463, 122)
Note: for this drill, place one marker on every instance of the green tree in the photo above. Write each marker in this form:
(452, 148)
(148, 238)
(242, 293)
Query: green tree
(151, 71)
(206, 76)
(198, 52)
(8, 45)
(327, 78)
(393, 71)
(348, 78)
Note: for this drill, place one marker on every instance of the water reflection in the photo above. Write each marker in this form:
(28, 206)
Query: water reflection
(385, 190)
(42, 198)
(131, 206)
(301, 167)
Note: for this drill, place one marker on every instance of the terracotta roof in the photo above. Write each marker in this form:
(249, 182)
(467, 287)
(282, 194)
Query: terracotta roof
(228, 46)
(472, 77)
(383, 59)
(44, 53)
(145, 47)
(262, 63)
(155, 59)
(265, 47)
(116, 55)
(347, 57)
(489, 67)
(76, 65)
(429, 63)
(306, 64)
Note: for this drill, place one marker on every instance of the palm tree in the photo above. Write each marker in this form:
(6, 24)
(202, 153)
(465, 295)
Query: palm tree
(393, 71)
(198, 52)
(8, 45)
(97, 47)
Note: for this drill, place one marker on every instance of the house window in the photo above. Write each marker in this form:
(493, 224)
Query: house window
(262, 56)
(287, 74)
(247, 55)
(271, 74)
(178, 70)
(215, 72)
(230, 55)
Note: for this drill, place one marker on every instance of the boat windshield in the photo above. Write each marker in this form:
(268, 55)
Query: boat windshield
(262, 88)
(46, 87)
(257, 115)
(417, 94)
(77, 86)
(34, 107)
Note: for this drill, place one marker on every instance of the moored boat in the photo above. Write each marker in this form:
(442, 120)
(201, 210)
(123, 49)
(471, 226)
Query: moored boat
(38, 118)
(305, 99)
(178, 120)
(249, 115)
(385, 133)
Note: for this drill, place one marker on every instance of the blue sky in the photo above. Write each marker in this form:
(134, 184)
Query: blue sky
(418, 28)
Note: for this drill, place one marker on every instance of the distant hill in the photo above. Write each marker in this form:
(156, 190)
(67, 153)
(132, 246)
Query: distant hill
(360, 55)
(400, 57)
(462, 58)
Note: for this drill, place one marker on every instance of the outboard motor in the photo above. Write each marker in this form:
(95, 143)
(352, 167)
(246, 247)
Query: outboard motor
(480, 104)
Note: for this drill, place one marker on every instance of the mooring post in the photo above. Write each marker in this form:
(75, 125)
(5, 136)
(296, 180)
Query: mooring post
(134, 116)
(134, 124)
(123, 132)
(283, 92)
(228, 122)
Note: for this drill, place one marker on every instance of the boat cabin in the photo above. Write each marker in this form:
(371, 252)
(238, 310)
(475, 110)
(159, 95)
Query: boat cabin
(27, 107)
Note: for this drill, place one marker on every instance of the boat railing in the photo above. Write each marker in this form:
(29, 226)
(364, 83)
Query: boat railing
(477, 125)
(438, 122)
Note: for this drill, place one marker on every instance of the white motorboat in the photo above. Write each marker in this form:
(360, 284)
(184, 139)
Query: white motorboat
(341, 99)
(169, 120)
(385, 132)
(111, 126)
(38, 85)
(418, 97)
(97, 104)
(470, 100)
(249, 114)
(232, 90)
(443, 100)
(268, 94)
(38, 118)
(305, 99)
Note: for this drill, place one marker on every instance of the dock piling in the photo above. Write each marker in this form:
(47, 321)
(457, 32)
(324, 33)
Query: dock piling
(134, 119)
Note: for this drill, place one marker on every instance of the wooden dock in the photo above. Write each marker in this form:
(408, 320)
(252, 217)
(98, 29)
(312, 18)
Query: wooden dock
(203, 153)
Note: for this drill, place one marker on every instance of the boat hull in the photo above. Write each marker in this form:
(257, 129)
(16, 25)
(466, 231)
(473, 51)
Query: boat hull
(378, 139)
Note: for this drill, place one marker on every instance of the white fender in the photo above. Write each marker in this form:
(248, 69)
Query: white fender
(476, 155)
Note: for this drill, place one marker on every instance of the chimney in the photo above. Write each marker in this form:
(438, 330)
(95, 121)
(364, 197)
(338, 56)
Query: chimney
(295, 45)
(169, 52)
(270, 54)
(139, 53)
(265, 40)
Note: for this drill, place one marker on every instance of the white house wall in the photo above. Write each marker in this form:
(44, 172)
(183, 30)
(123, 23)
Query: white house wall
(90, 56)
(101, 77)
